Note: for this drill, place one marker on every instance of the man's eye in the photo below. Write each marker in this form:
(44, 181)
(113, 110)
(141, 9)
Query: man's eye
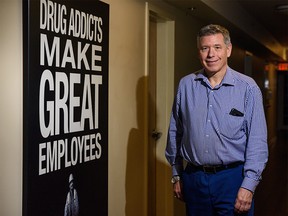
(218, 47)
(204, 48)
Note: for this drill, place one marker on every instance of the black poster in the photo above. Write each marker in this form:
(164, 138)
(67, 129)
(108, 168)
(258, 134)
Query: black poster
(65, 49)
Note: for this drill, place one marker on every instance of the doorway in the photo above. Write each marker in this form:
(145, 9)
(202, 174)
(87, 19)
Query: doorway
(160, 73)
(282, 80)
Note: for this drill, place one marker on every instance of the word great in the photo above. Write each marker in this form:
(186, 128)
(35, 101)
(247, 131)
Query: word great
(50, 125)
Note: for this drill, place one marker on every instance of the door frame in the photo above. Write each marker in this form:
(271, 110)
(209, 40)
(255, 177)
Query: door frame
(164, 98)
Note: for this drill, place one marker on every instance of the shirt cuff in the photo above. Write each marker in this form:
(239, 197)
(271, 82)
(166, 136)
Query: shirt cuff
(249, 184)
(177, 170)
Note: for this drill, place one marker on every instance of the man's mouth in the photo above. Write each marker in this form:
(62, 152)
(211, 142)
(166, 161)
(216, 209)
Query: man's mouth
(211, 62)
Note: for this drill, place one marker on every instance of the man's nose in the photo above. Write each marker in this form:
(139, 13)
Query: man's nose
(211, 52)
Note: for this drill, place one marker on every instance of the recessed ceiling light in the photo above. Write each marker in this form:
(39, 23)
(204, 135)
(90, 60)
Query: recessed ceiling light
(192, 8)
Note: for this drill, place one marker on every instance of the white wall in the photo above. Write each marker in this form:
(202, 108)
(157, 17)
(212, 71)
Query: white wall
(126, 68)
(10, 108)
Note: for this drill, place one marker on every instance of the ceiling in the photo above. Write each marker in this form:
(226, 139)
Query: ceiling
(258, 20)
(265, 13)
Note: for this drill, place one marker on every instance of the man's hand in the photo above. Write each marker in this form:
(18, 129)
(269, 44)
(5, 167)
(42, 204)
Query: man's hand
(177, 188)
(243, 201)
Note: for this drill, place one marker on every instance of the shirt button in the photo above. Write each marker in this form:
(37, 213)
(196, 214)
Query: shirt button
(209, 120)
(210, 105)
(206, 151)
(207, 135)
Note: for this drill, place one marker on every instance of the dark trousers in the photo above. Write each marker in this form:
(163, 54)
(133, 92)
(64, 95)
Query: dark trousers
(212, 194)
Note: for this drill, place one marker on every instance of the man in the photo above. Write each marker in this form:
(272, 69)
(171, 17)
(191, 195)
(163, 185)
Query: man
(72, 203)
(218, 128)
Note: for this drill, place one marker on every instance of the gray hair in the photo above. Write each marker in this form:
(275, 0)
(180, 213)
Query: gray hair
(213, 29)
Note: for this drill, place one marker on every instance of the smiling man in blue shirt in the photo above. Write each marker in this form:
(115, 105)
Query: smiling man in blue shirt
(218, 128)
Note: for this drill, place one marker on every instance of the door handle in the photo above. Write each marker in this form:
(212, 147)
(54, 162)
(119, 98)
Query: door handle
(156, 135)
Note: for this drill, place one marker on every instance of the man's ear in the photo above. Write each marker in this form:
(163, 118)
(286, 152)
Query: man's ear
(229, 50)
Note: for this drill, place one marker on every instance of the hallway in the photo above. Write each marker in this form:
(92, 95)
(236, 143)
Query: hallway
(271, 196)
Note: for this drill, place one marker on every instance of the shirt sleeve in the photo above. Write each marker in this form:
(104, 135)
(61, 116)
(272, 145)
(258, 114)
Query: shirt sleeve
(256, 155)
(174, 138)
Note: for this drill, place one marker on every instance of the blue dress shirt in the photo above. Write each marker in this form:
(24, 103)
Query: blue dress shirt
(204, 131)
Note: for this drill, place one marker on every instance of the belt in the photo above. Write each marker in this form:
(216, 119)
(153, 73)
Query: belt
(214, 168)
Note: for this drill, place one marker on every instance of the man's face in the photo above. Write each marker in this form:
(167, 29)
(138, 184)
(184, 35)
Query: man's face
(213, 53)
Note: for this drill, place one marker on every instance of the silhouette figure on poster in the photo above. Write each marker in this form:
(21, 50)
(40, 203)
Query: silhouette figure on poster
(72, 203)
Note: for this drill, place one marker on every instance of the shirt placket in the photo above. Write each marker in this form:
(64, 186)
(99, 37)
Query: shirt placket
(208, 127)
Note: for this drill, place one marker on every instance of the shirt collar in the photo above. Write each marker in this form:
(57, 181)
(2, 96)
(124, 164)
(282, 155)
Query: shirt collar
(227, 80)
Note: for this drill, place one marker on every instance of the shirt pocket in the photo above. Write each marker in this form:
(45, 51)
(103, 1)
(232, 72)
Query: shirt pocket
(232, 127)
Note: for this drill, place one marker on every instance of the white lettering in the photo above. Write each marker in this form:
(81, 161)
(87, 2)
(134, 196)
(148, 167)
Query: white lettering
(45, 51)
(61, 103)
(49, 130)
(52, 16)
(52, 155)
(96, 58)
(74, 102)
(42, 158)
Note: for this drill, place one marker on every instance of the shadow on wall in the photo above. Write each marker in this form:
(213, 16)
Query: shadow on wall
(137, 198)
(135, 168)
